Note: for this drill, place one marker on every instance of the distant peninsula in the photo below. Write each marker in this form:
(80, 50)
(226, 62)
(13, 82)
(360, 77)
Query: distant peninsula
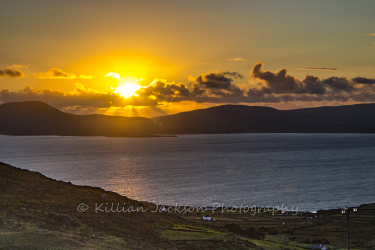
(38, 118)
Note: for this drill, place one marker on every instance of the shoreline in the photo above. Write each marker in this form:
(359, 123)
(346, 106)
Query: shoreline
(39, 212)
(219, 207)
(217, 204)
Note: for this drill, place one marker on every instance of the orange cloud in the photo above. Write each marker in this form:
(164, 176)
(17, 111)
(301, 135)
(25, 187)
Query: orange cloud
(237, 59)
(56, 74)
(86, 76)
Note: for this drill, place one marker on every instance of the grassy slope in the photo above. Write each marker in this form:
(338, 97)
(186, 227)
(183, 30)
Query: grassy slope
(37, 212)
(33, 207)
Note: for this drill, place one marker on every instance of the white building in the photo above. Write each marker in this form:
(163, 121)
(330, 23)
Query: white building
(206, 217)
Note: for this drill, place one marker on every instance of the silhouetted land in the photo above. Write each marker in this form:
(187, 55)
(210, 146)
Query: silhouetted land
(36, 118)
(37, 212)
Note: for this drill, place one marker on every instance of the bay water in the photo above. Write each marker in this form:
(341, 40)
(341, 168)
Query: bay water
(303, 171)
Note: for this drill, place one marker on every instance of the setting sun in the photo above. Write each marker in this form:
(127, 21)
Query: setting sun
(128, 89)
(127, 86)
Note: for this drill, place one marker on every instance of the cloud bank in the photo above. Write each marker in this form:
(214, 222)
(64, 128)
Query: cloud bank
(267, 87)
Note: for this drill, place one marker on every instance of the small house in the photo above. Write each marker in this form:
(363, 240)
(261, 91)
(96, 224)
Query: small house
(206, 217)
(318, 247)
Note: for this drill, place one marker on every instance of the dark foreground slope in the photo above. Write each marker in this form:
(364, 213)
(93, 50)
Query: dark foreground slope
(41, 213)
(37, 212)
(36, 118)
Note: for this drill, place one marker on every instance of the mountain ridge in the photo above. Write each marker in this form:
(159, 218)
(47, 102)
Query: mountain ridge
(38, 118)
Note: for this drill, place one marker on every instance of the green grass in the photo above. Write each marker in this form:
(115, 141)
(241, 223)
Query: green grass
(183, 232)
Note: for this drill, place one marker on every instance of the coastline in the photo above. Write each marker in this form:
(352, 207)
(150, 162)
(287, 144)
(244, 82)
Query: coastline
(34, 206)
(312, 181)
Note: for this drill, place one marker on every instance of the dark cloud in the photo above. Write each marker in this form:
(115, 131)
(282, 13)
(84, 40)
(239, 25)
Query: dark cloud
(312, 85)
(233, 74)
(214, 81)
(279, 82)
(160, 90)
(216, 84)
(275, 87)
(363, 80)
(14, 73)
(339, 84)
(56, 73)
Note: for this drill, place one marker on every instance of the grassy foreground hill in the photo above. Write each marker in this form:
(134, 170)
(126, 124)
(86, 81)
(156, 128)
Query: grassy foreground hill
(37, 212)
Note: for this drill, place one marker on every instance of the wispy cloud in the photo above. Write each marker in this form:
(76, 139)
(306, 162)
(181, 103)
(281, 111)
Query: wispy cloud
(239, 59)
(86, 76)
(56, 74)
(19, 66)
(373, 34)
(323, 69)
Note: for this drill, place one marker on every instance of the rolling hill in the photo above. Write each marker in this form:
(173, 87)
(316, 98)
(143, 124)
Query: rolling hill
(37, 118)
(246, 119)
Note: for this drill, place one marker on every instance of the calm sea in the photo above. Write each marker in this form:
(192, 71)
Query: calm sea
(311, 171)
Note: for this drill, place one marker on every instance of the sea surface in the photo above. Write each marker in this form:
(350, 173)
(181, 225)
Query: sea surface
(297, 171)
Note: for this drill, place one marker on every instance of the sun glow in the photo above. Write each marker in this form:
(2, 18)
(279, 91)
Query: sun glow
(127, 86)
(128, 89)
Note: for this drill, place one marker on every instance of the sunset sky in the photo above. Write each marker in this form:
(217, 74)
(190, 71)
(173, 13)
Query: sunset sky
(150, 58)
